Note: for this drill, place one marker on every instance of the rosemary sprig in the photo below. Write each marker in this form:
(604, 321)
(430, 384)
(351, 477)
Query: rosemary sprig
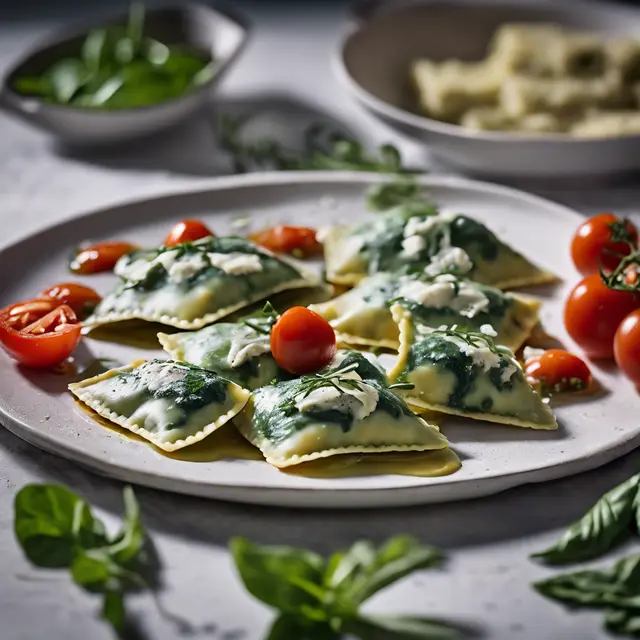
(310, 383)
(324, 150)
(626, 276)
(474, 339)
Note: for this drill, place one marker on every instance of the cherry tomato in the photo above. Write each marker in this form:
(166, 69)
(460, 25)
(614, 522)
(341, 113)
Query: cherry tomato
(591, 246)
(187, 231)
(44, 342)
(302, 341)
(80, 298)
(21, 315)
(593, 313)
(626, 347)
(298, 241)
(558, 370)
(631, 276)
(100, 257)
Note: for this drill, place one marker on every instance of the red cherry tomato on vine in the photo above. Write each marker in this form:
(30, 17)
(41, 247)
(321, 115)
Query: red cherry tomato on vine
(558, 370)
(591, 246)
(187, 231)
(37, 337)
(593, 313)
(298, 241)
(626, 347)
(80, 298)
(100, 257)
(302, 341)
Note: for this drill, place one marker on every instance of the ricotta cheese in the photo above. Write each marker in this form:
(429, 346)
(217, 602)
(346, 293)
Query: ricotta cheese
(186, 268)
(448, 258)
(241, 351)
(156, 375)
(446, 292)
(360, 402)
(235, 263)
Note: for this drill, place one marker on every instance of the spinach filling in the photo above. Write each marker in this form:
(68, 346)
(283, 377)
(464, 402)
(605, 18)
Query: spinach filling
(195, 390)
(158, 276)
(433, 350)
(382, 240)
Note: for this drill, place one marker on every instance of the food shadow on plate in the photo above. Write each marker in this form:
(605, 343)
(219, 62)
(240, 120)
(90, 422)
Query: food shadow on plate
(192, 147)
(132, 333)
(469, 431)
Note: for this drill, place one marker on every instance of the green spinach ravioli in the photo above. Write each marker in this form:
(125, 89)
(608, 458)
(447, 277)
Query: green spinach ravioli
(333, 412)
(403, 240)
(362, 315)
(194, 284)
(239, 351)
(466, 374)
(171, 404)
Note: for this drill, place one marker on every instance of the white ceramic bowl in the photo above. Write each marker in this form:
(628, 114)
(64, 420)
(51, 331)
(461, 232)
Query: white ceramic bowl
(374, 60)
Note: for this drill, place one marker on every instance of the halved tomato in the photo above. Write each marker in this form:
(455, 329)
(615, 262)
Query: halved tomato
(80, 298)
(37, 335)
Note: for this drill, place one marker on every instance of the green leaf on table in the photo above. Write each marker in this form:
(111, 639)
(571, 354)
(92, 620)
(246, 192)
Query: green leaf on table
(131, 538)
(378, 627)
(93, 49)
(616, 587)
(282, 577)
(288, 627)
(113, 610)
(622, 622)
(51, 523)
(396, 559)
(604, 526)
(33, 85)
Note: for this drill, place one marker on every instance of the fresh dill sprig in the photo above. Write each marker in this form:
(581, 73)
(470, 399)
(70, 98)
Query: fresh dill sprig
(474, 339)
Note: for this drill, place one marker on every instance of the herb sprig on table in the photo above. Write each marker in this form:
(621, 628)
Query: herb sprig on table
(613, 519)
(119, 67)
(57, 530)
(324, 150)
(319, 598)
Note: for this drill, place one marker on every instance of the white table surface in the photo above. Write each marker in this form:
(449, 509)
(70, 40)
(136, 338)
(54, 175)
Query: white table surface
(485, 583)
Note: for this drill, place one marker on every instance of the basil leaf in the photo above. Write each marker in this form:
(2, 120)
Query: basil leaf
(622, 623)
(278, 576)
(618, 587)
(399, 557)
(602, 528)
(400, 628)
(67, 76)
(343, 565)
(131, 538)
(113, 610)
(33, 86)
(51, 522)
(93, 49)
(287, 627)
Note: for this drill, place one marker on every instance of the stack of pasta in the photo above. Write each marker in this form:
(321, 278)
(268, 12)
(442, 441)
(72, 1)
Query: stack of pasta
(538, 78)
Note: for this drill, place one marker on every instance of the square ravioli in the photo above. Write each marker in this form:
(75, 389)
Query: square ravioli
(330, 413)
(405, 241)
(464, 373)
(194, 284)
(362, 316)
(171, 404)
(239, 351)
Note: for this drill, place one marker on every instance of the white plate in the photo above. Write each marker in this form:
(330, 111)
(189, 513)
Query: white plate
(37, 407)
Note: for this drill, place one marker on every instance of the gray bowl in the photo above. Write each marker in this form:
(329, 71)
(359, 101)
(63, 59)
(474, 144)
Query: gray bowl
(210, 30)
(374, 59)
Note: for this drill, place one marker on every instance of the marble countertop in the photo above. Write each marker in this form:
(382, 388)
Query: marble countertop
(486, 580)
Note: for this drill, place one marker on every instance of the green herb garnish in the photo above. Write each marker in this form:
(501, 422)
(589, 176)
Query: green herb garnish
(474, 339)
(324, 150)
(120, 68)
(609, 522)
(321, 598)
(263, 322)
(56, 529)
